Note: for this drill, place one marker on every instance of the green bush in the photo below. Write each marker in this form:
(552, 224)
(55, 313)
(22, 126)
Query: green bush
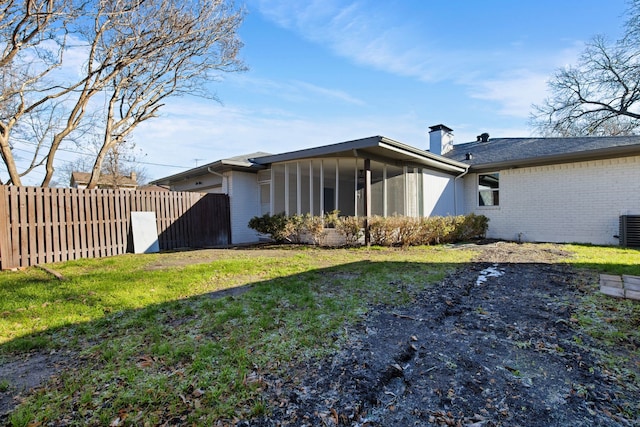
(274, 225)
(292, 229)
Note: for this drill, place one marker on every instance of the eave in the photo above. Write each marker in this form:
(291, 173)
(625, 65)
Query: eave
(376, 148)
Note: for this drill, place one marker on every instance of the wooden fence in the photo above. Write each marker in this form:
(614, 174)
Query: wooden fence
(43, 225)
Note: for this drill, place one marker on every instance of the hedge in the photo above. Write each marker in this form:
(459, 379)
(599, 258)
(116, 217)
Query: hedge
(384, 231)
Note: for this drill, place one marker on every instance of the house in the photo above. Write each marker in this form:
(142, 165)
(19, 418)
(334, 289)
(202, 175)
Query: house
(124, 182)
(537, 189)
(552, 189)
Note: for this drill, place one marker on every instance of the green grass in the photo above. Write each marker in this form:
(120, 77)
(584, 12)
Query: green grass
(613, 323)
(608, 259)
(157, 346)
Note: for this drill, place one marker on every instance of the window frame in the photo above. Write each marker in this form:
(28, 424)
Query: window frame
(495, 191)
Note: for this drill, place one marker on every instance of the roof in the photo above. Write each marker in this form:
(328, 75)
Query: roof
(122, 180)
(374, 148)
(151, 187)
(519, 152)
(241, 162)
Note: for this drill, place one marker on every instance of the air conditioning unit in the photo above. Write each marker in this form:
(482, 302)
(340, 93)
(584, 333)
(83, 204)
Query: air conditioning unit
(630, 231)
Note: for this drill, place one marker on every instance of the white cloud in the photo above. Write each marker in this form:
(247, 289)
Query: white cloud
(295, 90)
(514, 77)
(515, 91)
(329, 93)
(208, 131)
(369, 34)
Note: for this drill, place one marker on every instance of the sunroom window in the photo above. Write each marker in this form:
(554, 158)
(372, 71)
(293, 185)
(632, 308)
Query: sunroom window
(489, 189)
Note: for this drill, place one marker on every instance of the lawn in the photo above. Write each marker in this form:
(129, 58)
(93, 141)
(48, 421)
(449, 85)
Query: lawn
(186, 336)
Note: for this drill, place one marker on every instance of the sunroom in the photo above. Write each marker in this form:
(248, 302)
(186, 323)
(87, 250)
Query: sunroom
(365, 177)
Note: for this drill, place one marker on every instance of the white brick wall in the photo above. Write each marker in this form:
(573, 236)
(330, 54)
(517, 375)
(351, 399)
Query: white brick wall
(573, 202)
(244, 197)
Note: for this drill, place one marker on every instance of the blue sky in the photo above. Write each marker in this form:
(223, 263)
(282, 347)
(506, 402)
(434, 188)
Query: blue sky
(328, 71)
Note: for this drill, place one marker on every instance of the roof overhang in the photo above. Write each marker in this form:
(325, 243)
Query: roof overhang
(377, 148)
(219, 166)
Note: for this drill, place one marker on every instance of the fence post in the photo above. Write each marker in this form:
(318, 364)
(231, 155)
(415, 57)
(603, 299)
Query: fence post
(6, 254)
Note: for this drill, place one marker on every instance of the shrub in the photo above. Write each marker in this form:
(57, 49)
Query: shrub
(472, 227)
(274, 225)
(293, 229)
(390, 231)
(381, 231)
(313, 227)
(351, 228)
(407, 231)
(331, 218)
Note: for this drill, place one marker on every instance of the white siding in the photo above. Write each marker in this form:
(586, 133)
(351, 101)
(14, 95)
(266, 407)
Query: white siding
(207, 183)
(572, 202)
(438, 194)
(244, 197)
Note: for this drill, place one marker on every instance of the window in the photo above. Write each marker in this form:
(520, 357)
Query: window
(489, 189)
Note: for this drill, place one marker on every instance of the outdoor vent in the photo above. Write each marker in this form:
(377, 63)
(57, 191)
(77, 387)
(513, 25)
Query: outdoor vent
(630, 231)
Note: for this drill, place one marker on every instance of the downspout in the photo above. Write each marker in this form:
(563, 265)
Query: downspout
(455, 187)
(225, 188)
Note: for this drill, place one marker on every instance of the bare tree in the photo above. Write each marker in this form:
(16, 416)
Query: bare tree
(137, 54)
(600, 95)
(118, 165)
(33, 37)
(184, 44)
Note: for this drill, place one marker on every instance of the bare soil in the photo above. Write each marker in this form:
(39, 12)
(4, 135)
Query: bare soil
(494, 344)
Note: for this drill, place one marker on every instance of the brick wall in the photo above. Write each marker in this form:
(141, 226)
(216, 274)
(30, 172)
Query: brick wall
(572, 202)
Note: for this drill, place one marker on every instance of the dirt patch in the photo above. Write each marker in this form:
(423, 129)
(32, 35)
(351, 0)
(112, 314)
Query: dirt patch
(20, 374)
(493, 345)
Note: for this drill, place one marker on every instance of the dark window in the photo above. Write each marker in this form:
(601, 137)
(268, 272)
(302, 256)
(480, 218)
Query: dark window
(489, 189)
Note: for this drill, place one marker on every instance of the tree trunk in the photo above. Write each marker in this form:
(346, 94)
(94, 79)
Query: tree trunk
(7, 156)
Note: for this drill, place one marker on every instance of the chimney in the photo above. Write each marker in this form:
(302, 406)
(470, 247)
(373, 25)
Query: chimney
(134, 177)
(440, 139)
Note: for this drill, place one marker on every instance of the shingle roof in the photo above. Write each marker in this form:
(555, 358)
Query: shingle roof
(515, 152)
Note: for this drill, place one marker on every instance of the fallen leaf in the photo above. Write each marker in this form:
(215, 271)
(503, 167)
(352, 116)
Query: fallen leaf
(145, 361)
(334, 414)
